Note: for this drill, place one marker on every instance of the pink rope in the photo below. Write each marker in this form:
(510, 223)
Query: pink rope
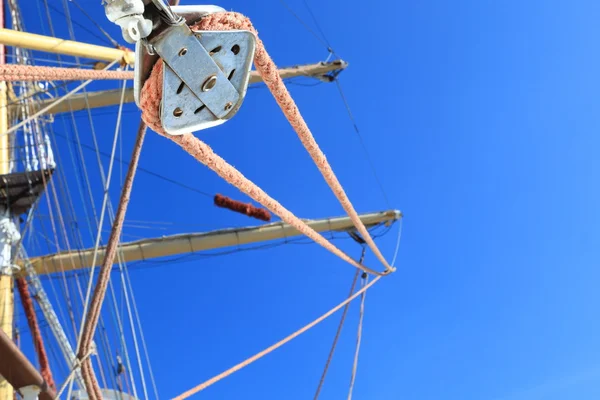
(16, 72)
(150, 104)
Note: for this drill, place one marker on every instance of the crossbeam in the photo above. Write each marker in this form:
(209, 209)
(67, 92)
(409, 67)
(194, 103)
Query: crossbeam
(194, 242)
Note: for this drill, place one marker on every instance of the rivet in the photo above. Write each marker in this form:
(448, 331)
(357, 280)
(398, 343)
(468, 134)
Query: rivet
(228, 106)
(209, 83)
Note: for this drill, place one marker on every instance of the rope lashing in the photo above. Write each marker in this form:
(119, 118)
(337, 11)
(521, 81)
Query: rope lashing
(16, 72)
(150, 104)
(242, 208)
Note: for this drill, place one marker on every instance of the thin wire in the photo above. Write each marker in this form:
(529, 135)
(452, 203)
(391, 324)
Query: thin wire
(318, 25)
(338, 332)
(308, 28)
(397, 243)
(99, 234)
(110, 41)
(147, 171)
(139, 322)
(93, 21)
(275, 346)
(339, 86)
(358, 335)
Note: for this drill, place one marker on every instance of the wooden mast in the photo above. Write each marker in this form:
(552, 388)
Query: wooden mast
(6, 280)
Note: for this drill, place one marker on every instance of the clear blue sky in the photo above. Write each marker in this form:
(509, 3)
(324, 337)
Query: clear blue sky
(482, 121)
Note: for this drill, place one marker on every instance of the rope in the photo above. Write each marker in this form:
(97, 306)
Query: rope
(93, 313)
(237, 206)
(203, 153)
(364, 282)
(337, 334)
(16, 72)
(36, 334)
(275, 346)
(150, 101)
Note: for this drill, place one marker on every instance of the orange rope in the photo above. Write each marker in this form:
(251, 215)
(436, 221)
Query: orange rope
(16, 72)
(36, 334)
(150, 104)
(93, 313)
(274, 347)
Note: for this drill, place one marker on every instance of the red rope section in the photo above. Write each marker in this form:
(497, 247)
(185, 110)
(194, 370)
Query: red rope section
(150, 104)
(16, 72)
(36, 334)
(242, 208)
(93, 314)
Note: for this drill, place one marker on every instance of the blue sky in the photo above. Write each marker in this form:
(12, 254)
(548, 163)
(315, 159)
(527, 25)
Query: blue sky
(481, 120)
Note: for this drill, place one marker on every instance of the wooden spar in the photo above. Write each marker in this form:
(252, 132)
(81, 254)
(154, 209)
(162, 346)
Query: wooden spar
(10, 37)
(19, 371)
(107, 98)
(195, 242)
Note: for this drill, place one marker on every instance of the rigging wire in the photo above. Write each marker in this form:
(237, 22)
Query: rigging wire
(308, 28)
(364, 282)
(339, 330)
(108, 39)
(96, 24)
(147, 171)
(362, 142)
(318, 26)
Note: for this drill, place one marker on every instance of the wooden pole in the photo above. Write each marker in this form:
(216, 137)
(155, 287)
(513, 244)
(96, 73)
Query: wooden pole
(196, 242)
(50, 44)
(6, 280)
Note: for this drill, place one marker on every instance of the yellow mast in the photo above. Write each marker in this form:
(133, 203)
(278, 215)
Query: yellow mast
(6, 281)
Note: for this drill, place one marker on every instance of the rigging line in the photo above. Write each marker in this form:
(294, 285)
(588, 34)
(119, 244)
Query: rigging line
(397, 243)
(54, 103)
(318, 25)
(308, 28)
(362, 142)
(144, 347)
(85, 28)
(106, 341)
(147, 171)
(135, 341)
(93, 21)
(83, 170)
(363, 295)
(97, 244)
(203, 153)
(71, 375)
(275, 346)
(104, 276)
(339, 330)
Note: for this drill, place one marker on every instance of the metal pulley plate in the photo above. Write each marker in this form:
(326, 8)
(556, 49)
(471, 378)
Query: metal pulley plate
(183, 111)
(205, 74)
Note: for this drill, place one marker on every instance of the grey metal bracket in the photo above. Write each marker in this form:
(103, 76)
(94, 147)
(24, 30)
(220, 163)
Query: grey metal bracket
(182, 110)
(205, 74)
